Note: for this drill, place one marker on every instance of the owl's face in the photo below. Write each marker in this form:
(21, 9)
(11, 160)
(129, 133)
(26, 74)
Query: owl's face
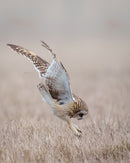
(83, 111)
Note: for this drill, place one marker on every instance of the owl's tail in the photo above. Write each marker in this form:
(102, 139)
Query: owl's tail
(45, 94)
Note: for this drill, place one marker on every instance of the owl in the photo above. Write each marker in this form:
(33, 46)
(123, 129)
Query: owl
(55, 88)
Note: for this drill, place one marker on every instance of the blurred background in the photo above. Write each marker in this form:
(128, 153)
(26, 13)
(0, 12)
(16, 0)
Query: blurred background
(64, 19)
(92, 38)
(95, 29)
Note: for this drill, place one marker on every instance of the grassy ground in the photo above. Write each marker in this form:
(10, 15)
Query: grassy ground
(30, 133)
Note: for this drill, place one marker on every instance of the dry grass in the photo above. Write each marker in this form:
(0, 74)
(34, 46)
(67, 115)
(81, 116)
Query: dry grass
(30, 133)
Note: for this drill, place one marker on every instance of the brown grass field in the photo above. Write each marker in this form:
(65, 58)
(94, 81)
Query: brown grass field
(100, 73)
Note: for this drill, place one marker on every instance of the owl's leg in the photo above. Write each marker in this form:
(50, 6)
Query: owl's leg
(74, 128)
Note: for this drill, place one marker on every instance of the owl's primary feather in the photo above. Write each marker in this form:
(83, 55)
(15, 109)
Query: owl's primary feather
(40, 64)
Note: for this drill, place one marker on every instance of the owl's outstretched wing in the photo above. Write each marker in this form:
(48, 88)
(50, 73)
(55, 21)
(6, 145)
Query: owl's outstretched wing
(54, 74)
(57, 79)
(40, 64)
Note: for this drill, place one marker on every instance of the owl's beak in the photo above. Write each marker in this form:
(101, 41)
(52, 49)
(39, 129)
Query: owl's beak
(80, 118)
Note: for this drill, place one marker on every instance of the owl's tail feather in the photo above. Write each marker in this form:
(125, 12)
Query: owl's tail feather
(45, 94)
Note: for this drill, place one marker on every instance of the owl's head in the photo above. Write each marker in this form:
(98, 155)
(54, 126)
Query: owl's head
(82, 110)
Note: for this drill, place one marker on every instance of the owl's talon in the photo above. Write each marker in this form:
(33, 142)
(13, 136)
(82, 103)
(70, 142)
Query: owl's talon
(75, 129)
(78, 132)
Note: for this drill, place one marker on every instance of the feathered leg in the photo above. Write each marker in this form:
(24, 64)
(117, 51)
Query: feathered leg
(74, 128)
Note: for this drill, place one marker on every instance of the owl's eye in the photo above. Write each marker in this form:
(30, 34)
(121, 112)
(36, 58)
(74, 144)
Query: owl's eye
(81, 114)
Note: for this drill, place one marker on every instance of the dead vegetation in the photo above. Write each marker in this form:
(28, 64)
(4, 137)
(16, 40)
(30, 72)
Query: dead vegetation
(30, 133)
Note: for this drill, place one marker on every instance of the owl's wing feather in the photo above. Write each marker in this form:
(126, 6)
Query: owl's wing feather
(57, 80)
(54, 74)
(48, 48)
(40, 64)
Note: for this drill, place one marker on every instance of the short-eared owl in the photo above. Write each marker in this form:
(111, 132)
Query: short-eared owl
(55, 89)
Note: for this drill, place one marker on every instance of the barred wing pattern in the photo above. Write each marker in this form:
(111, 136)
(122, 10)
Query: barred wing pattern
(54, 74)
(40, 64)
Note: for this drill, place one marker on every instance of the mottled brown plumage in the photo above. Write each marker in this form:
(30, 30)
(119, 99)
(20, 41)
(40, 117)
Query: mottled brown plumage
(56, 90)
(38, 62)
